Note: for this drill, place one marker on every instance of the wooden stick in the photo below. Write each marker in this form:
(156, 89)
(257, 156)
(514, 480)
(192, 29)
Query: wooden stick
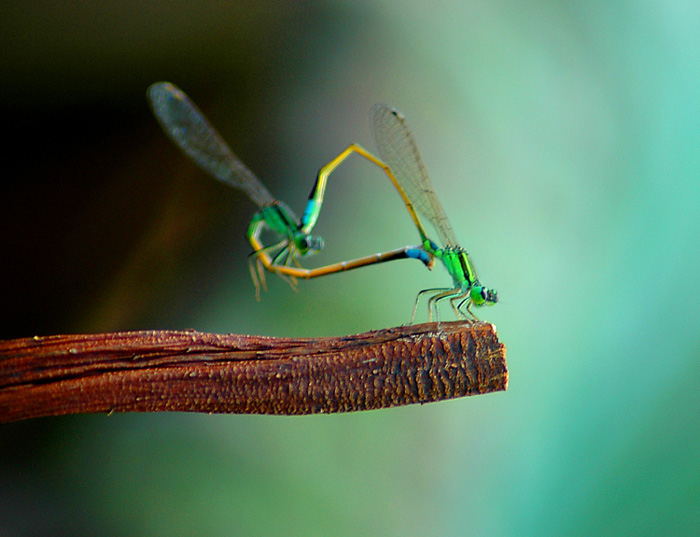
(197, 372)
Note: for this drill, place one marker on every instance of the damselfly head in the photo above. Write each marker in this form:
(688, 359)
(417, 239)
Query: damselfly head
(483, 296)
(307, 245)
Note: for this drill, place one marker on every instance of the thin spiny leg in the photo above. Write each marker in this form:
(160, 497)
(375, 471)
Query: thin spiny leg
(290, 257)
(415, 304)
(257, 266)
(468, 302)
(261, 272)
(457, 312)
(285, 252)
(433, 301)
(290, 280)
(463, 296)
(254, 265)
(283, 245)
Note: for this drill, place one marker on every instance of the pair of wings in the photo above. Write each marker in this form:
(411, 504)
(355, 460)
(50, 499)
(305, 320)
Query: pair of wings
(186, 125)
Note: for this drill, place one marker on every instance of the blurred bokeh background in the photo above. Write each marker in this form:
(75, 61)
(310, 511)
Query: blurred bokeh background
(562, 138)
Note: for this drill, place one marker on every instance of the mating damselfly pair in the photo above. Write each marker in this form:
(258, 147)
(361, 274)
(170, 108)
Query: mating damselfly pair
(402, 164)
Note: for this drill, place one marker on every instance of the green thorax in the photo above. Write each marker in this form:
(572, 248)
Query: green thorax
(280, 219)
(456, 261)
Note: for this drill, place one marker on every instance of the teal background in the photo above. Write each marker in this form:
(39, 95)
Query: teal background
(562, 139)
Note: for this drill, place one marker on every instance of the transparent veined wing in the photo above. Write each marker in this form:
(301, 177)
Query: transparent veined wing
(186, 125)
(398, 149)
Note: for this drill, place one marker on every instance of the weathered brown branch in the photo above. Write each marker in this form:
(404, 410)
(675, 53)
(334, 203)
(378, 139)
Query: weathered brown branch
(198, 372)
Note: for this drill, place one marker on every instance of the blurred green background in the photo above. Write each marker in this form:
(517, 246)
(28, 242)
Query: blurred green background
(562, 138)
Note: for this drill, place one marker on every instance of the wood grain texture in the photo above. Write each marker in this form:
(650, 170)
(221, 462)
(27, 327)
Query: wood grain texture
(191, 371)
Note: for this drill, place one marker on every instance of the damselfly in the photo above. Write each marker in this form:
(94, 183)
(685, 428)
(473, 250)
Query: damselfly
(398, 149)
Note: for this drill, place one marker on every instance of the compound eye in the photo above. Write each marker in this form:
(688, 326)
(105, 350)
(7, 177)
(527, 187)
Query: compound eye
(490, 296)
(316, 243)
